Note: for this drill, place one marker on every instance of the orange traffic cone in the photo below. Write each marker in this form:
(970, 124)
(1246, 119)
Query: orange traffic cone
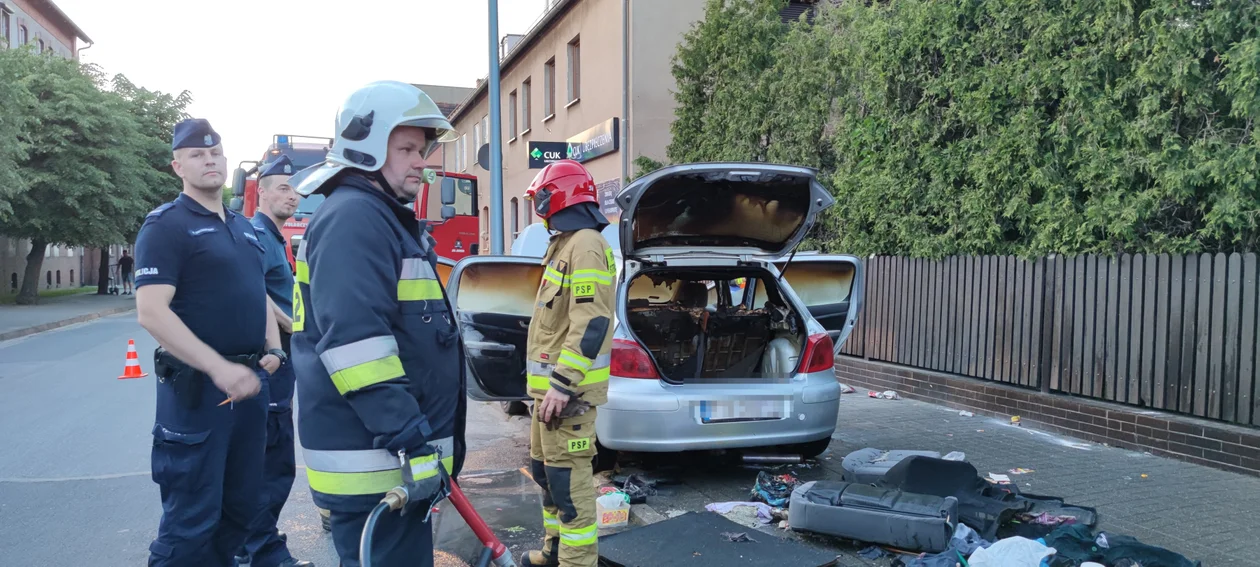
(132, 370)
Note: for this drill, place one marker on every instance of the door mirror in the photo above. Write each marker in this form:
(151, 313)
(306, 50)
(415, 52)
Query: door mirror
(238, 183)
(448, 212)
(448, 191)
(236, 203)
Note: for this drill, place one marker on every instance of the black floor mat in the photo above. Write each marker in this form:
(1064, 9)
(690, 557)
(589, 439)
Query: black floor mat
(702, 539)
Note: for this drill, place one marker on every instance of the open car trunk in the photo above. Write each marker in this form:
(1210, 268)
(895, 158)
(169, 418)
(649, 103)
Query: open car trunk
(715, 324)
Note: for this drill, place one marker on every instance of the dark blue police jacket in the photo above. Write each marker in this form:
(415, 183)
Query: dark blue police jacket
(378, 358)
(216, 266)
(279, 274)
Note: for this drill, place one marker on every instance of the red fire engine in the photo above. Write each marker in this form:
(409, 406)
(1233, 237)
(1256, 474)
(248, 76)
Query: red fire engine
(456, 237)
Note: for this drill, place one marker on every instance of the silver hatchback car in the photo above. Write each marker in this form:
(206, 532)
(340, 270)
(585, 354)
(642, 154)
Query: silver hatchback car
(724, 338)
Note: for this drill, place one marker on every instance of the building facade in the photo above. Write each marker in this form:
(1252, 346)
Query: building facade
(561, 88)
(42, 25)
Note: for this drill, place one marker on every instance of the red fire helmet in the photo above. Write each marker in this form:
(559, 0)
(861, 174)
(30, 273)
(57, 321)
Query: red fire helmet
(560, 185)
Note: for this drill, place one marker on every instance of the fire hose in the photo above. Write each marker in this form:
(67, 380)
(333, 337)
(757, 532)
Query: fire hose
(493, 552)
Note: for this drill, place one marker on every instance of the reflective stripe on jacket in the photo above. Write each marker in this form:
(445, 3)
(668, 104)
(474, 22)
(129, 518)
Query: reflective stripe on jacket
(570, 335)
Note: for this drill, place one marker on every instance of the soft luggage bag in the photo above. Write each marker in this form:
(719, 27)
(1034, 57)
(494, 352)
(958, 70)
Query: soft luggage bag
(903, 520)
(867, 466)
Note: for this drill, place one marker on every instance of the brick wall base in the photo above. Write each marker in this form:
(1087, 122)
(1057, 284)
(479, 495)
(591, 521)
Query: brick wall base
(1204, 442)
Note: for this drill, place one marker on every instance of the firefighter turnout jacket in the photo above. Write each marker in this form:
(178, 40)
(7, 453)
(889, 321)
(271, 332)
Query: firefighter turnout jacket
(377, 355)
(570, 335)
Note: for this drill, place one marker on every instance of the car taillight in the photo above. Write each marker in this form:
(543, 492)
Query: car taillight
(629, 360)
(818, 354)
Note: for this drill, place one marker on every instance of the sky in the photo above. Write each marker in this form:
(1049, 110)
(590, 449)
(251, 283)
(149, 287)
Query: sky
(257, 68)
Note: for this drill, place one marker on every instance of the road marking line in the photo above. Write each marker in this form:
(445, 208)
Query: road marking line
(75, 478)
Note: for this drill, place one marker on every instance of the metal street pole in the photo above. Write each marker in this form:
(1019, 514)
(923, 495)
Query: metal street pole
(496, 137)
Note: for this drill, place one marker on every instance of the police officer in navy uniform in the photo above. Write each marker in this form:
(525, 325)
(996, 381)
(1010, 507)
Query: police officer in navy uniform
(200, 292)
(267, 547)
(378, 359)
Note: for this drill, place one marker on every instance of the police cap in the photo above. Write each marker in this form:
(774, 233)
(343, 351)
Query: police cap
(281, 166)
(194, 133)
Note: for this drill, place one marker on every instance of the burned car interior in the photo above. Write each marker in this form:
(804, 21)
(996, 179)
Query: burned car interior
(697, 325)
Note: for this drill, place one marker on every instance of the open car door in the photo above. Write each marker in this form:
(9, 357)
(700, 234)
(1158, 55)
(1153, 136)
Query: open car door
(830, 286)
(493, 298)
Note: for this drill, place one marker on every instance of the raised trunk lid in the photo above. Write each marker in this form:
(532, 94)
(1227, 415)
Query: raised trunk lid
(724, 208)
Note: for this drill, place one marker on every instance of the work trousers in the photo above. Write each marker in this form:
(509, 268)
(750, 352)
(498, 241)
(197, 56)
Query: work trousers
(398, 541)
(560, 462)
(264, 546)
(207, 463)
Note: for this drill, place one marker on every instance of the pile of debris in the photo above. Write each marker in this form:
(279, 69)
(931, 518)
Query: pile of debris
(929, 511)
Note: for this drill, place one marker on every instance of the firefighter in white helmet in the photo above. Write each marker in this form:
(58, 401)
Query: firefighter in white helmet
(375, 346)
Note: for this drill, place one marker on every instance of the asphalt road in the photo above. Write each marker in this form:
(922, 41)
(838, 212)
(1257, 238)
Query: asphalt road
(75, 486)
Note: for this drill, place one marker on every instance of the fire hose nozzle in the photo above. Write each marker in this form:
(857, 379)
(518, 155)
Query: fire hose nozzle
(396, 498)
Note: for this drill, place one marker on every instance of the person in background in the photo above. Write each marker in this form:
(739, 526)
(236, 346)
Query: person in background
(267, 546)
(125, 265)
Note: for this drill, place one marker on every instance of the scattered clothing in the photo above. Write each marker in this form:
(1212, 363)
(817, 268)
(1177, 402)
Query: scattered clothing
(964, 543)
(1011, 552)
(874, 552)
(774, 490)
(764, 513)
(1076, 543)
(740, 537)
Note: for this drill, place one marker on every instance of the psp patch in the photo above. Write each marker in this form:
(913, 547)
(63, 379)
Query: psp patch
(583, 290)
(579, 445)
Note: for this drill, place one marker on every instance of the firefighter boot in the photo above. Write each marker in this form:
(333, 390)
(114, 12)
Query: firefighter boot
(548, 557)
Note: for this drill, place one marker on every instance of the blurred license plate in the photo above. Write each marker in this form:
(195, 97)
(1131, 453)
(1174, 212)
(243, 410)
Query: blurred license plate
(743, 410)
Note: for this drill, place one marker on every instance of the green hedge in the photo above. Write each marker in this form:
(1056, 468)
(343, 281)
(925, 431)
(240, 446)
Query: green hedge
(991, 127)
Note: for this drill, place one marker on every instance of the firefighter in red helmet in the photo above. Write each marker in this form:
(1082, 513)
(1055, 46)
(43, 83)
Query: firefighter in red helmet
(570, 344)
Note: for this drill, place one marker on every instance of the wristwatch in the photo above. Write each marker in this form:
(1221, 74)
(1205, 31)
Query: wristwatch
(278, 353)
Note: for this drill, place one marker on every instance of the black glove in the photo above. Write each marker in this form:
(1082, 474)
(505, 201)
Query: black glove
(425, 492)
(411, 439)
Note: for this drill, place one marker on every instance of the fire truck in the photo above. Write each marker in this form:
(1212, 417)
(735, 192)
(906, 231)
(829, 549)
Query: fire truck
(456, 236)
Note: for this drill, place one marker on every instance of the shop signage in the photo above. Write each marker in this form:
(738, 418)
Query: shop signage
(597, 141)
(543, 153)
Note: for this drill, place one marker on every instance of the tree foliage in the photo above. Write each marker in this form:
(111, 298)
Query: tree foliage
(92, 160)
(1005, 127)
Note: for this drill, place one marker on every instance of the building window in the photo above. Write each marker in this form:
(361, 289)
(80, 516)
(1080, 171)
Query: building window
(549, 88)
(71, 276)
(525, 96)
(58, 278)
(529, 213)
(463, 153)
(21, 35)
(477, 137)
(40, 43)
(4, 26)
(575, 70)
(511, 116)
(485, 127)
(516, 218)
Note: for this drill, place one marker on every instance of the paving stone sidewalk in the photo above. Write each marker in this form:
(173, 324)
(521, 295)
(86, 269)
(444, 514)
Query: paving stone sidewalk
(1203, 513)
(51, 313)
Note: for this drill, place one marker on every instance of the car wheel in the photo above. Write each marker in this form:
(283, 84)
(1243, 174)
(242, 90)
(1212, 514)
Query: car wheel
(605, 459)
(514, 408)
(813, 448)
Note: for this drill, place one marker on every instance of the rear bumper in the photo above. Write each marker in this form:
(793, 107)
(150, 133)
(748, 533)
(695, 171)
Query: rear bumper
(648, 416)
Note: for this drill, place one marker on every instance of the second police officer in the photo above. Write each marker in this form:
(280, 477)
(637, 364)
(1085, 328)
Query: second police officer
(266, 546)
(200, 293)
(377, 355)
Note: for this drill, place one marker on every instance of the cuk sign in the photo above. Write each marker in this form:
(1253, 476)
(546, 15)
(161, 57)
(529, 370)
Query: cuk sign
(543, 153)
(595, 142)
